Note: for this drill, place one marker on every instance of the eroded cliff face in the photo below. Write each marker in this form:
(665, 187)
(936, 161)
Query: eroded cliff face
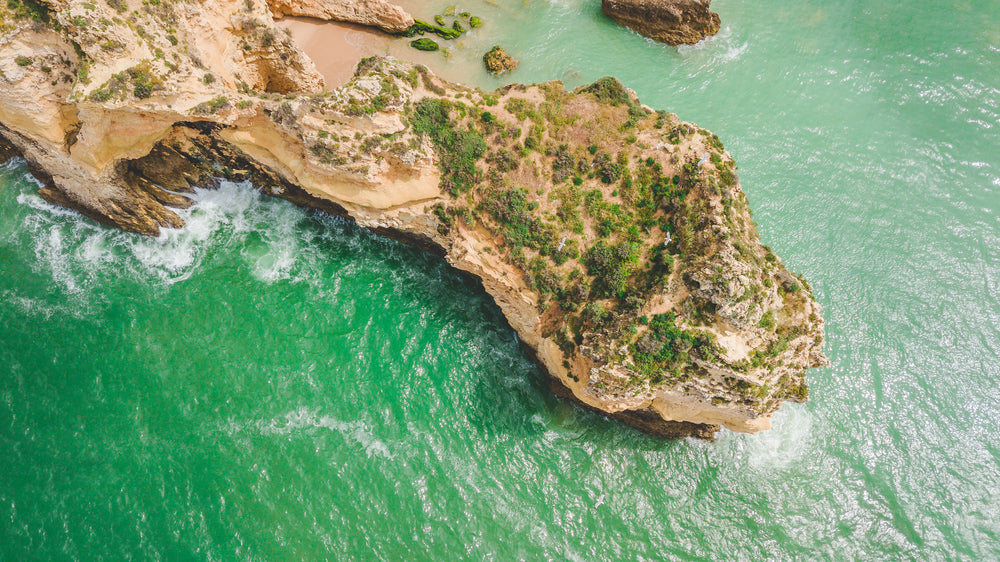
(374, 13)
(674, 22)
(616, 239)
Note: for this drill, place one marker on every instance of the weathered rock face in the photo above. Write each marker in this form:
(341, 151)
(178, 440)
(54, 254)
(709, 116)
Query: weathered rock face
(498, 62)
(374, 13)
(674, 22)
(616, 240)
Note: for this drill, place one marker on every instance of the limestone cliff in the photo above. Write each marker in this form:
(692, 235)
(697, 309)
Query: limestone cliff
(674, 22)
(374, 13)
(616, 239)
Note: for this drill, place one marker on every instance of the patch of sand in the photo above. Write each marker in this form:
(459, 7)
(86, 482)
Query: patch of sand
(335, 47)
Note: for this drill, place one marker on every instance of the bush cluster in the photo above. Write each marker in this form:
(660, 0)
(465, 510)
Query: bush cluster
(611, 266)
(458, 149)
(666, 348)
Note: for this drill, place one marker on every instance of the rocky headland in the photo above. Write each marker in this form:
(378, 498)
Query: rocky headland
(615, 239)
(674, 22)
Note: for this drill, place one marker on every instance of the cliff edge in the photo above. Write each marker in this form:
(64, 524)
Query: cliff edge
(616, 239)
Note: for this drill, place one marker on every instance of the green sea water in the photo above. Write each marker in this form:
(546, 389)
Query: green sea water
(269, 384)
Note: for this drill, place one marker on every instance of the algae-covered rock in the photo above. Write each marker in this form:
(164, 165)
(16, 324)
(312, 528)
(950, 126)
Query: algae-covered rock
(420, 27)
(498, 61)
(424, 44)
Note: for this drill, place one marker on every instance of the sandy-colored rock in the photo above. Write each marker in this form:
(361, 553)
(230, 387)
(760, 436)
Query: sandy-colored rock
(674, 22)
(374, 13)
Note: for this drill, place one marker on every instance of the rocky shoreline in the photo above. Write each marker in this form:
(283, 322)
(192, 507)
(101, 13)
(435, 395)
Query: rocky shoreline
(615, 238)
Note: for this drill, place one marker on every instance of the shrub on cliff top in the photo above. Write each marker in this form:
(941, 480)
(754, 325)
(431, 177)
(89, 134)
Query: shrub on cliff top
(30, 9)
(611, 267)
(665, 348)
(458, 149)
(608, 90)
(520, 227)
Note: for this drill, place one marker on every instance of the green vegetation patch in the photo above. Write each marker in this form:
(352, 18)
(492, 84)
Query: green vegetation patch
(420, 27)
(424, 44)
(608, 90)
(140, 79)
(210, 107)
(611, 266)
(30, 9)
(458, 149)
(518, 223)
(665, 349)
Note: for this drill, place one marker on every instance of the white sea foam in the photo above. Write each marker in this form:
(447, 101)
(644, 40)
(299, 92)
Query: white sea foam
(73, 249)
(277, 262)
(721, 48)
(304, 418)
(776, 449)
(175, 254)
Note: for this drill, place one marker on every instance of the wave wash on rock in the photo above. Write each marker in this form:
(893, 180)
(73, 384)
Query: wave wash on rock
(615, 239)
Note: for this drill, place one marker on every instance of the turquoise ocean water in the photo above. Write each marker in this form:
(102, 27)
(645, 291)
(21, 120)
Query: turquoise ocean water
(268, 384)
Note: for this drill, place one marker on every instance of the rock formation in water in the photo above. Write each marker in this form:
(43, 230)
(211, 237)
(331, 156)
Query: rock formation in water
(615, 239)
(498, 62)
(674, 22)
(374, 13)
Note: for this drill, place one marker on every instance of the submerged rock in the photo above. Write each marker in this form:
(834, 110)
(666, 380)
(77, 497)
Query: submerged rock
(424, 44)
(674, 22)
(497, 61)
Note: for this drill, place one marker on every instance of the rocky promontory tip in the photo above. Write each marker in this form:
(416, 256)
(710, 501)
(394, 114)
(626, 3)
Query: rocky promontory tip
(674, 22)
(616, 239)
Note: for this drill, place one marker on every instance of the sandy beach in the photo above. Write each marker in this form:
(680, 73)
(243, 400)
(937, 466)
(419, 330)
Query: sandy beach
(335, 47)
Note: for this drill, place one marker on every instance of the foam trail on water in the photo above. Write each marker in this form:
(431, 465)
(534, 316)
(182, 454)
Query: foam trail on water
(304, 419)
(721, 48)
(776, 449)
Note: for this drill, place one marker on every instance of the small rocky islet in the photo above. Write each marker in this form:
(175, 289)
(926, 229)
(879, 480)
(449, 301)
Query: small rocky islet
(615, 238)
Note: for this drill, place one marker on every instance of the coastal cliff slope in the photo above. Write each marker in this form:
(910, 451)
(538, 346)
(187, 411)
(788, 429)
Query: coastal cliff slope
(616, 239)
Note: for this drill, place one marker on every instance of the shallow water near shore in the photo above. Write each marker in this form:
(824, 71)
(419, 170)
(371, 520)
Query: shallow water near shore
(273, 384)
